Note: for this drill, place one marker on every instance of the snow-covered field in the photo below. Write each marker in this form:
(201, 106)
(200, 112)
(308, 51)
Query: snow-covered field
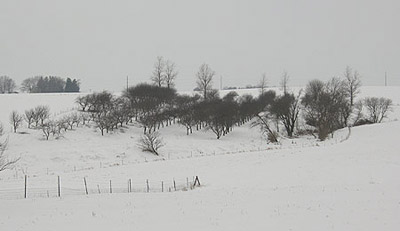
(247, 184)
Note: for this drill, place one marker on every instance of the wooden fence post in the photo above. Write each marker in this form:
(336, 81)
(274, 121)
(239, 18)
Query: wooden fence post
(59, 187)
(174, 185)
(26, 181)
(84, 180)
(162, 186)
(110, 187)
(147, 183)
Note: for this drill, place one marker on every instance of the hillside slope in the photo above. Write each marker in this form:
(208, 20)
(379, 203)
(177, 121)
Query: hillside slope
(348, 186)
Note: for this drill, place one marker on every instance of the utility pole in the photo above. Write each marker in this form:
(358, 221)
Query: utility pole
(127, 84)
(385, 79)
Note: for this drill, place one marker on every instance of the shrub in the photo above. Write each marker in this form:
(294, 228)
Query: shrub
(151, 142)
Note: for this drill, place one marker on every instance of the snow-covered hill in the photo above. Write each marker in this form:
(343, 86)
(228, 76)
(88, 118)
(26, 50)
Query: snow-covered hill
(246, 183)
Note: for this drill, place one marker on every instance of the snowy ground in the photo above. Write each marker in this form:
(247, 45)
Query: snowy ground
(300, 185)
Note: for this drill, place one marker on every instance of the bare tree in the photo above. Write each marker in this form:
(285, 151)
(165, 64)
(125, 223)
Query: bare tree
(62, 125)
(262, 121)
(15, 120)
(7, 85)
(29, 116)
(284, 82)
(263, 83)
(286, 108)
(83, 101)
(326, 106)
(151, 142)
(5, 163)
(377, 108)
(47, 129)
(170, 73)
(158, 72)
(204, 79)
(30, 84)
(68, 120)
(41, 114)
(353, 83)
(358, 113)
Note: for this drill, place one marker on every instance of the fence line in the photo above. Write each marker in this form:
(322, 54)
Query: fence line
(198, 154)
(26, 189)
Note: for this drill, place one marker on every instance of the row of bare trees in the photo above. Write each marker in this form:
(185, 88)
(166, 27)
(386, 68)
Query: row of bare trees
(33, 117)
(39, 118)
(164, 73)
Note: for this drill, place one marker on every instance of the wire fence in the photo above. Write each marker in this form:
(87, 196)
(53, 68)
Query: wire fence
(290, 144)
(31, 187)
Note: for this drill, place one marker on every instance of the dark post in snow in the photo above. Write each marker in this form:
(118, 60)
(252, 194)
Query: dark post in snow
(59, 187)
(162, 186)
(147, 183)
(26, 181)
(84, 181)
(174, 185)
(110, 187)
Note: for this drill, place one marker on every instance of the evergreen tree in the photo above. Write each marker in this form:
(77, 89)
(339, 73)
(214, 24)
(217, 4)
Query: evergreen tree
(75, 85)
(68, 85)
(71, 85)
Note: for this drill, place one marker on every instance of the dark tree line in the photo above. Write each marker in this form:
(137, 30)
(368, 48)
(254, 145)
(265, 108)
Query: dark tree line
(154, 107)
(49, 84)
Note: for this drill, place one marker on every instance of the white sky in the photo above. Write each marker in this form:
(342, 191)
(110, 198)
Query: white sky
(101, 42)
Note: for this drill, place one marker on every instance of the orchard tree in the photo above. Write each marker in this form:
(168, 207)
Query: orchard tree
(41, 114)
(286, 108)
(5, 163)
(186, 111)
(29, 116)
(15, 120)
(83, 101)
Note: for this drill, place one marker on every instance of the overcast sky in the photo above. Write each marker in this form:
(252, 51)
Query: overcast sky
(101, 42)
